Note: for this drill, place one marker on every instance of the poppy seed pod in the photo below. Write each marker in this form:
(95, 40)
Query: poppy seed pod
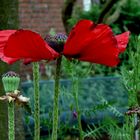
(61, 38)
(10, 81)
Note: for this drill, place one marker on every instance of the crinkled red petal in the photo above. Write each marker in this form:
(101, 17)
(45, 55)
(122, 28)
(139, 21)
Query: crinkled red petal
(122, 40)
(93, 43)
(25, 44)
(4, 36)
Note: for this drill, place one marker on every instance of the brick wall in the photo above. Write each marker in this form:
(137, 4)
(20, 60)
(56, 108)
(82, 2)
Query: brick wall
(41, 15)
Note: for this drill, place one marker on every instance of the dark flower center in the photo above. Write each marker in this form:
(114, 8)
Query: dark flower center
(56, 42)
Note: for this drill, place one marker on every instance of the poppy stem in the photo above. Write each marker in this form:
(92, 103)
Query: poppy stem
(56, 99)
(11, 122)
(75, 92)
(11, 82)
(36, 101)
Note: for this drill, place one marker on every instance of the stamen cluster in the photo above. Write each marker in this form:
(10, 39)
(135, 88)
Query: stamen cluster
(10, 74)
(56, 42)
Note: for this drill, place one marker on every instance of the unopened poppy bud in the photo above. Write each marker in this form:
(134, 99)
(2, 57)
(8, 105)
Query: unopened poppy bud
(10, 81)
(56, 42)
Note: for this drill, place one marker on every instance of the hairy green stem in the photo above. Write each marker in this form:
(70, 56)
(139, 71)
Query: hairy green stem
(36, 101)
(56, 100)
(75, 92)
(11, 122)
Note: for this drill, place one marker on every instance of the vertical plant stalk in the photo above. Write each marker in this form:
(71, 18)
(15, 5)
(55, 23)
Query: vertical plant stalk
(11, 122)
(56, 99)
(136, 132)
(136, 81)
(36, 101)
(75, 93)
(11, 82)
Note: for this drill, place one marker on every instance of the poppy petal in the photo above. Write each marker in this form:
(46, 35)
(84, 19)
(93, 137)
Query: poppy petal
(93, 43)
(4, 36)
(29, 60)
(77, 36)
(9, 60)
(122, 40)
(25, 44)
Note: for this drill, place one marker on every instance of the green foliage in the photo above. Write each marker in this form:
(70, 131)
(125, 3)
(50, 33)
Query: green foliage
(75, 67)
(131, 73)
(73, 70)
(86, 69)
(9, 14)
(78, 14)
(117, 132)
(110, 107)
(94, 131)
(131, 77)
(128, 19)
(113, 128)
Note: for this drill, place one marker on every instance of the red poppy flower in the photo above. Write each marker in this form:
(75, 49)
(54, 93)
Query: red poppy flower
(24, 44)
(87, 42)
(95, 43)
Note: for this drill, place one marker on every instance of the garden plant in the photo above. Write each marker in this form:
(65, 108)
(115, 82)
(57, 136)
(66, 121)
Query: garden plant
(94, 90)
(11, 82)
(87, 41)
